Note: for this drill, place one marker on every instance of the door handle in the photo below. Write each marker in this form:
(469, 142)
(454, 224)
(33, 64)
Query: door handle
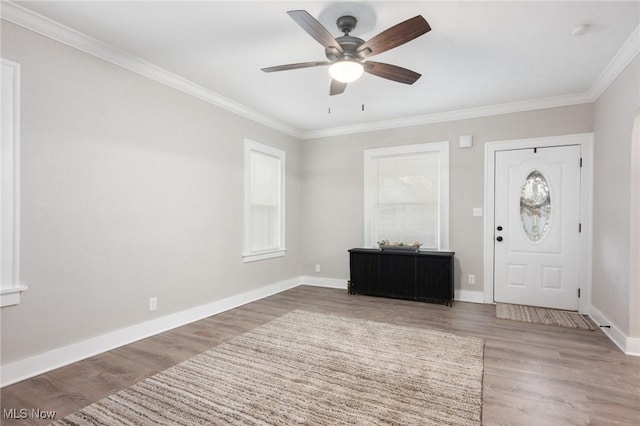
(499, 238)
(499, 228)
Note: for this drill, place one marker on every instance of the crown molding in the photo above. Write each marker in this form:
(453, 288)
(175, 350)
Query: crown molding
(54, 30)
(463, 114)
(625, 55)
(622, 58)
(40, 24)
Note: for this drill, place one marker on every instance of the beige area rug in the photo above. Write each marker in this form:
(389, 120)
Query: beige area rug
(314, 369)
(543, 316)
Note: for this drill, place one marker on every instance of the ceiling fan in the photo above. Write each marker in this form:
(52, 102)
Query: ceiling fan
(348, 55)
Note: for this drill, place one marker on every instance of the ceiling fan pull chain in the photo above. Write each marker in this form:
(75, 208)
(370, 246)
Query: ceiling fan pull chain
(362, 92)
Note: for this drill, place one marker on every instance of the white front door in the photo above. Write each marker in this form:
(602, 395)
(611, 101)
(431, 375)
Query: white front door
(536, 227)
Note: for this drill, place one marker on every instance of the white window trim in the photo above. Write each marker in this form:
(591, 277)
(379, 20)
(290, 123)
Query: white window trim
(10, 190)
(249, 255)
(443, 191)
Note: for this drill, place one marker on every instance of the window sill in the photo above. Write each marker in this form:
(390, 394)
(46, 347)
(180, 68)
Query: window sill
(262, 255)
(11, 296)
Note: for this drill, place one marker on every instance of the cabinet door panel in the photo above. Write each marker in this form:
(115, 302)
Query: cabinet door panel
(397, 275)
(434, 278)
(365, 274)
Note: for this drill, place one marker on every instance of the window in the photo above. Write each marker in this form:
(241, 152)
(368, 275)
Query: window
(535, 206)
(264, 170)
(406, 195)
(10, 288)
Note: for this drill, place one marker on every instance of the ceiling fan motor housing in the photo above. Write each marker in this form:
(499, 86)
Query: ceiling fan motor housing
(349, 44)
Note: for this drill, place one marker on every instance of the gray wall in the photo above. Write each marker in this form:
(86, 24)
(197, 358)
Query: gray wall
(130, 189)
(614, 115)
(332, 178)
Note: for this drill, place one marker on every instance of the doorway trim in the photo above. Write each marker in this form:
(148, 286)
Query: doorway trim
(585, 140)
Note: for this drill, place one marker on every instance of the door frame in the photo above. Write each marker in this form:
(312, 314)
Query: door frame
(585, 141)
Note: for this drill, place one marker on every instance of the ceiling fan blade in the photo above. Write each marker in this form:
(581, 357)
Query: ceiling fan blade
(391, 72)
(395, 36)
(337, 87)
(296, 66)
(315, 29)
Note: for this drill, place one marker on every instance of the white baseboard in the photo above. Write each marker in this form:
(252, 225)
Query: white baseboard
(468, 296)
(628, 345)
(324, 282)
(633, 346)
(42, 363)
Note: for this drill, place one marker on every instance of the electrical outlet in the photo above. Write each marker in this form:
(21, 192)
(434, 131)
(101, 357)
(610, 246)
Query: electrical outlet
(317, 267)
(472, 279)
(153, 303)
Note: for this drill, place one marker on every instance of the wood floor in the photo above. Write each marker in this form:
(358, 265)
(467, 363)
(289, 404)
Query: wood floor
(534, 374)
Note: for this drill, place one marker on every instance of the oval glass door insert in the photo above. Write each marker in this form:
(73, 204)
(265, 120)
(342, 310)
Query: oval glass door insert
(535, 206)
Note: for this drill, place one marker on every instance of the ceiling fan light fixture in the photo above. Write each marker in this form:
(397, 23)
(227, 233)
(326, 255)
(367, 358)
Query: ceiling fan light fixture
(346, 71)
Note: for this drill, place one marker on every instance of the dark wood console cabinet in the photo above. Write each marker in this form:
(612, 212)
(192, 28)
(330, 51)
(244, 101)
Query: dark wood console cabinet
(426, 276)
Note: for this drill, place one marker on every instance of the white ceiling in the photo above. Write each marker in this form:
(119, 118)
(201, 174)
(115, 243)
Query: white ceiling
(478, 54)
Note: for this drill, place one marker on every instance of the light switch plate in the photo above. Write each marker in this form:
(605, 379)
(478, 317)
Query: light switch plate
(477, 211)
